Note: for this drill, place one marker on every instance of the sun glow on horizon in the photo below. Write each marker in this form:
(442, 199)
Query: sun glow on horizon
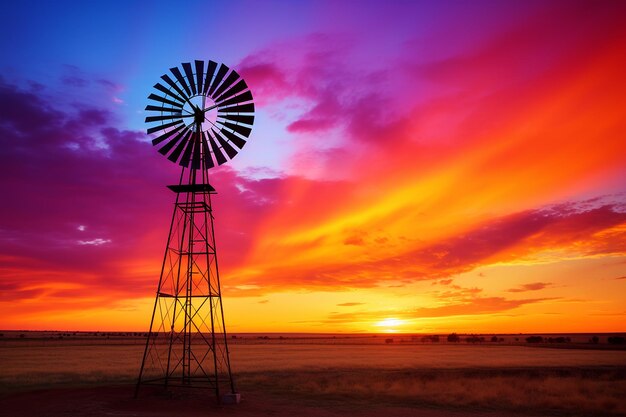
(389, 325)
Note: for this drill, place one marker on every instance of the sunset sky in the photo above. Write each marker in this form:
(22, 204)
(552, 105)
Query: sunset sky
(415, 166)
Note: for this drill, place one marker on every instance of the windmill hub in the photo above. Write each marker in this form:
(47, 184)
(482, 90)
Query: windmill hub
(198, 116)
(200, 110)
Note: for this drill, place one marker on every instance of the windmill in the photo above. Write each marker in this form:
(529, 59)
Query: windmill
(201, 117)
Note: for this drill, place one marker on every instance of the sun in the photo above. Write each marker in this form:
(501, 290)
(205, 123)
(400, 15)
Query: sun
(389, 325)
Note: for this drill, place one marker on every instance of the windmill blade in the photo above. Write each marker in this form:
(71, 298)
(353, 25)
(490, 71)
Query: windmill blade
(210, 70)
(165, 126)
(249, 120)
(195, 162)
(199, 74)
(166, 135)
(190, 79)
(239, 142)
(181, 80)
(237, 88)
(247, 96)
(208, 161)
(180, 147)
(243, 108)
(242, 130)
(230, 151)
(219, 156)
(182, 96)
(170, 93)
(161, 118)
(163, 109)
(218, 78)
(184, 161)
(169, 145)
(164, 100)
(232, 77)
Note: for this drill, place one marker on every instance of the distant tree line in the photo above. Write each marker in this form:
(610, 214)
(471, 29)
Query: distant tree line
(612, 340)
(472, 338)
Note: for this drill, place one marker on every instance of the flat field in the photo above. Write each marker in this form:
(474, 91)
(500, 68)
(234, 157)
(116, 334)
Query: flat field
(321, 377)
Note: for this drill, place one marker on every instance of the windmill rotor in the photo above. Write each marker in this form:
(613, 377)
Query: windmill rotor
(200, 116)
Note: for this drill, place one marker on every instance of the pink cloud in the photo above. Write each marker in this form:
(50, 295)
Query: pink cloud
(85, 215)
(395, 110)
(266, 79)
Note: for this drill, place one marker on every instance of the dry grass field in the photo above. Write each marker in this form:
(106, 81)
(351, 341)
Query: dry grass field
(446, 378)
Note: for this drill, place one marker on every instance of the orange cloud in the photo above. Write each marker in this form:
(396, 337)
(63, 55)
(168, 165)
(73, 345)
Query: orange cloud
(580, 229)
(473, 306)
(533, 286)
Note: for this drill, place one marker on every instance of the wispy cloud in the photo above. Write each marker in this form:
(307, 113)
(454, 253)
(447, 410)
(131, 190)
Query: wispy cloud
(94, 242)
(534, 286)
(469, 307)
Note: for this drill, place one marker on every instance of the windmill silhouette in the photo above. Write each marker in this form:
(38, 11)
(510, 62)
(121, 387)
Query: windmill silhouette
(201, 117)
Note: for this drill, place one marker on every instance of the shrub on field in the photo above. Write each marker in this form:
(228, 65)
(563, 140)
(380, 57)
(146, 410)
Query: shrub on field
(474, 339)
(431, 339)
(559, 339)
(534, 339)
